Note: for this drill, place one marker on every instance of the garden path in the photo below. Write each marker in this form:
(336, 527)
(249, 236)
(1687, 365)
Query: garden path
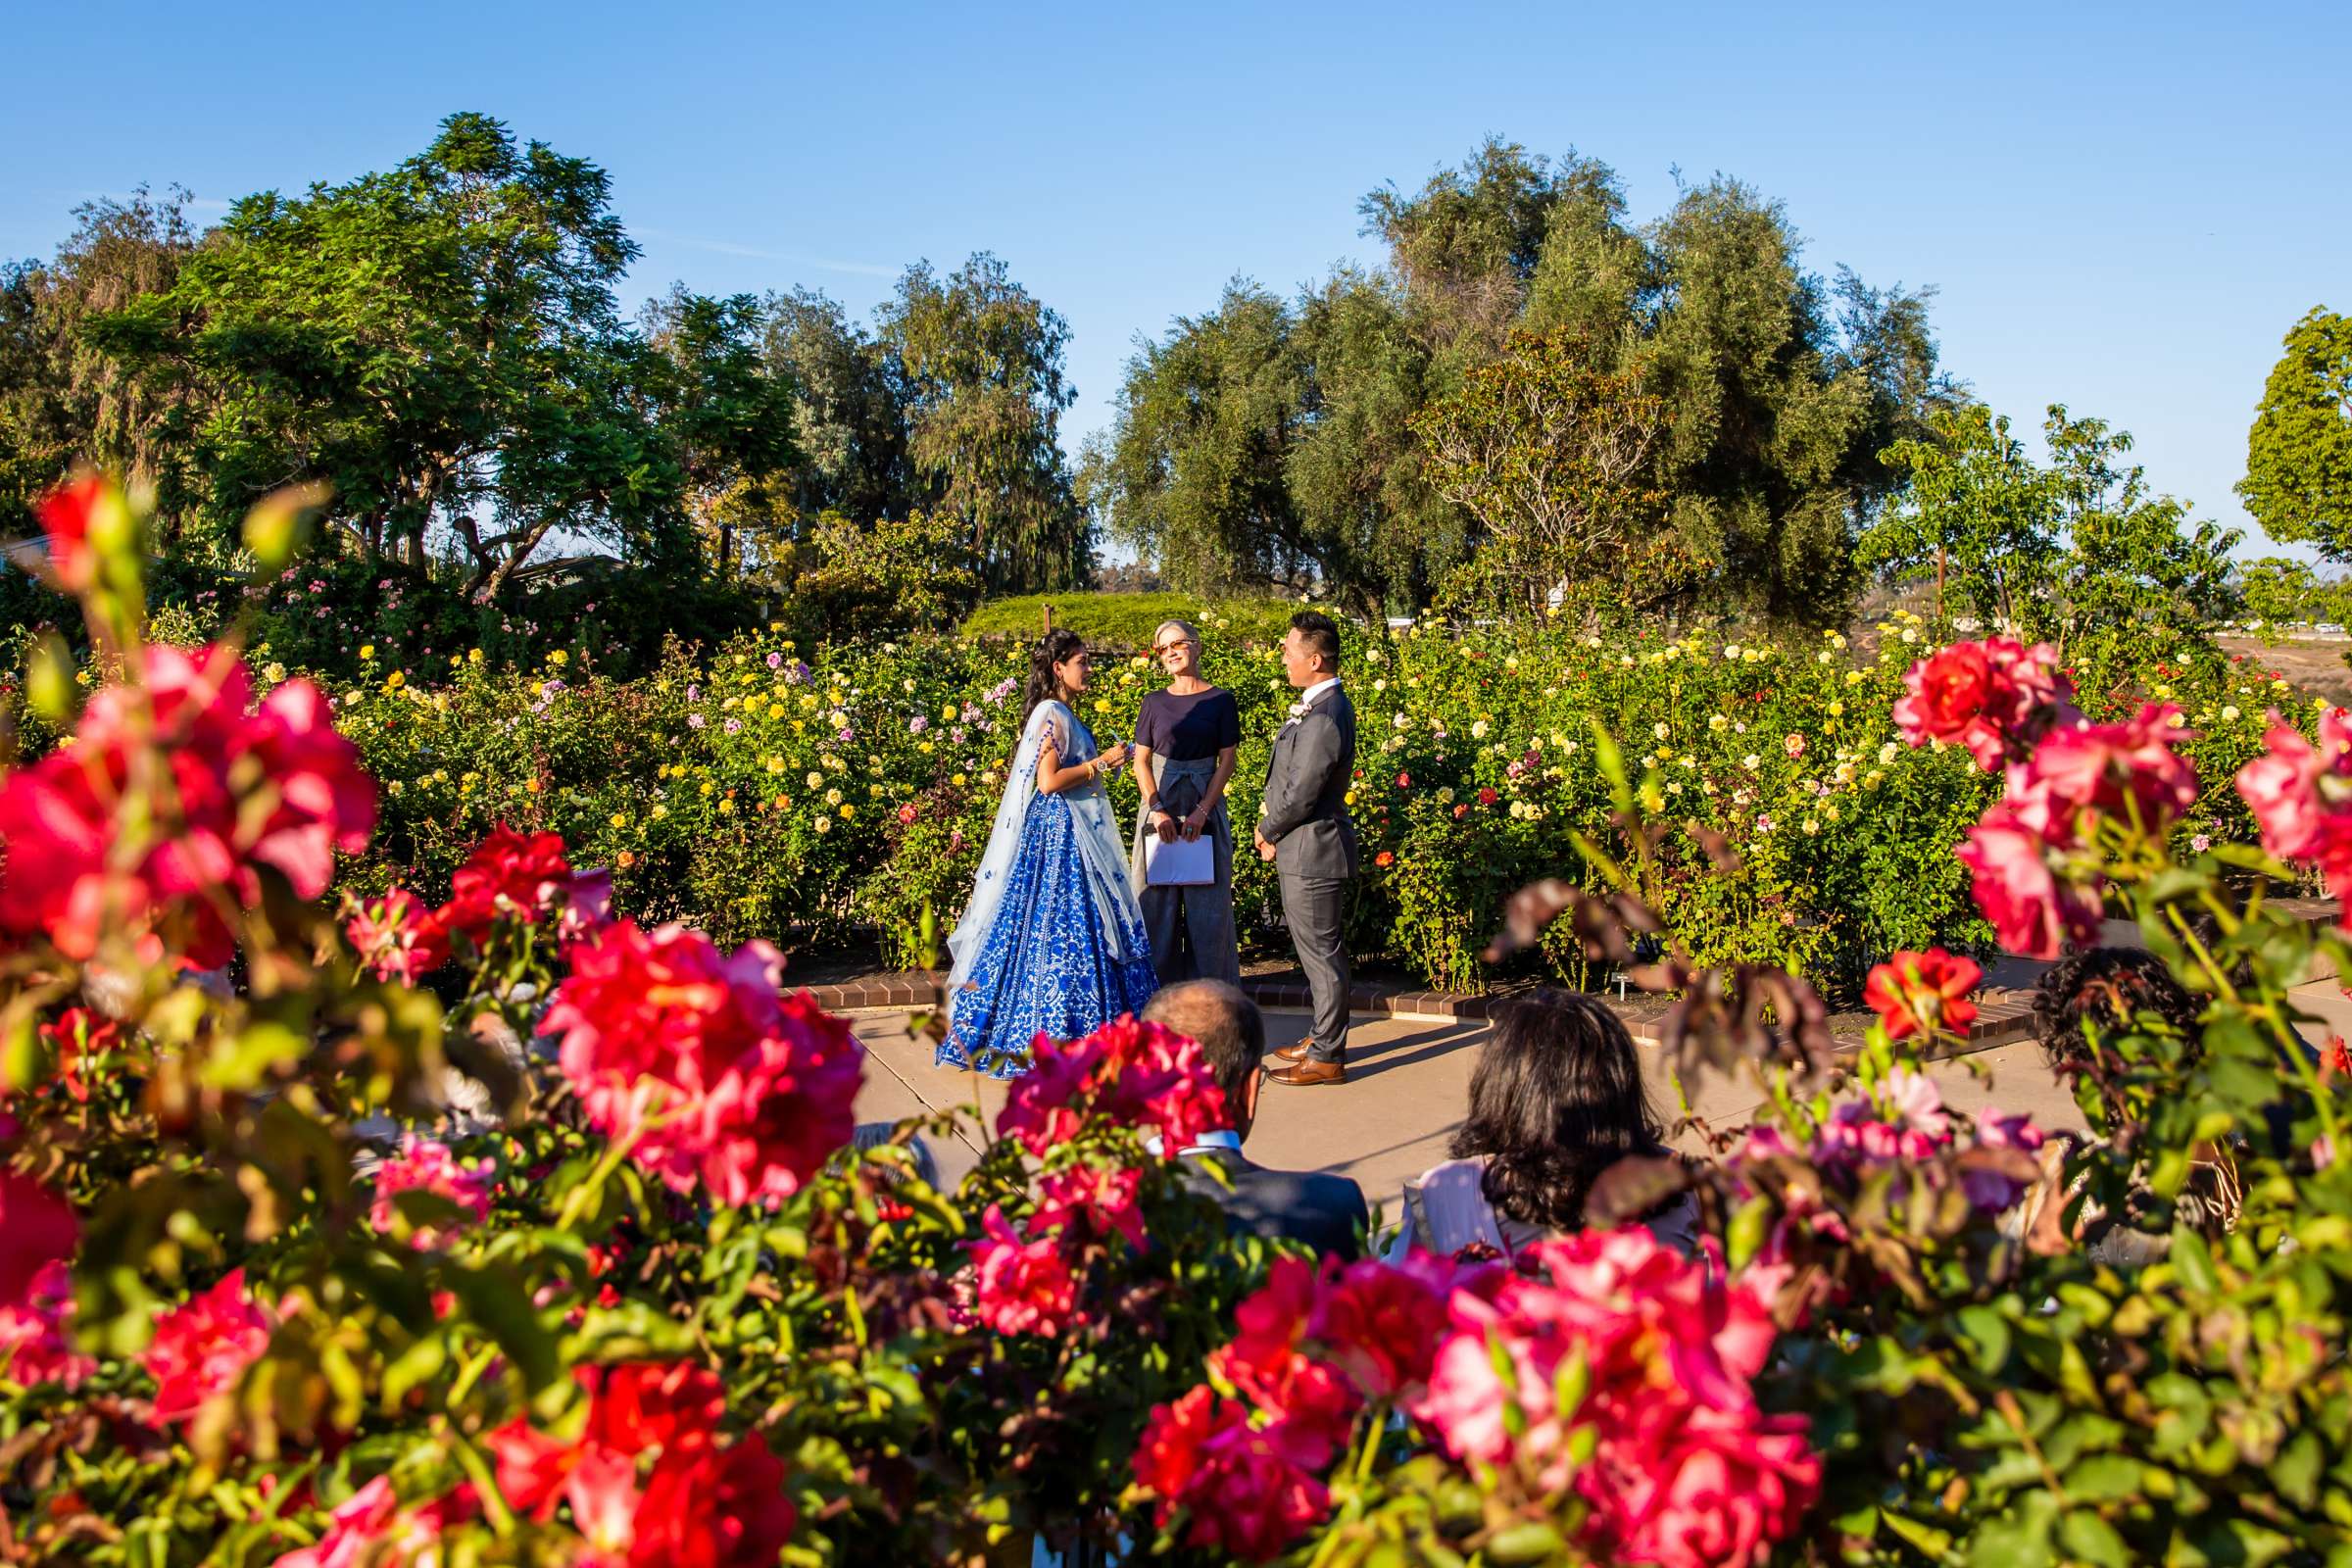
(1408, 1082)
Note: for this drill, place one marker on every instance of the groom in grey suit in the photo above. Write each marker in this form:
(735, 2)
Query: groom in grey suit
(1303, 828)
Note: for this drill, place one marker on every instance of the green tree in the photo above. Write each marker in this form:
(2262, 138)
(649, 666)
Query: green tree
(982, 361)
(724, 408)
(1556, 454)
(1780, 390)
(440, 342)
(63, 402)
(885, 577)
(2275, 590)
(2049, 552)
(1193, 475)
(850, 414)
(2298, 483)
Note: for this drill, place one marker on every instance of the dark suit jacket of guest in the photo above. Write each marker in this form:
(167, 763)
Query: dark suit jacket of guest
(1327, 1212)
(1304, 814)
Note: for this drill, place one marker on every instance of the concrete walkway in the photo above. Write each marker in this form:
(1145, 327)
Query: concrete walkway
(1408, 1084)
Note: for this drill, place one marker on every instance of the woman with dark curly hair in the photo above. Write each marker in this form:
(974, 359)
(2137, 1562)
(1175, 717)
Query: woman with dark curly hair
(1556, 1100)
(2080, 1001)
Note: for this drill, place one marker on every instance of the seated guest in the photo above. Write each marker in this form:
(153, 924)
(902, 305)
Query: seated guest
(1555, 1101)
(2078, 1002)
(1325, 1211)
(915, 1153)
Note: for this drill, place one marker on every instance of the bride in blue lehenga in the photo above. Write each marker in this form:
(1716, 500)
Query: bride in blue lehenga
(1053, 940)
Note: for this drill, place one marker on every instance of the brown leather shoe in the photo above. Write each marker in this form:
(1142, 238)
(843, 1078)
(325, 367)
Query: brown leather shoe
(1307, 1074)
(1289, 1053)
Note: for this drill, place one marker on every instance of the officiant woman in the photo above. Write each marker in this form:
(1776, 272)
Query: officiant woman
(1186, 740)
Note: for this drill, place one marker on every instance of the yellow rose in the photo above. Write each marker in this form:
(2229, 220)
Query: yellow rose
(726, 807)
(366, 650)
(775, 764)
(474, 655)
(620, 820)
(558, 657)
(396, 680)
(847, 811)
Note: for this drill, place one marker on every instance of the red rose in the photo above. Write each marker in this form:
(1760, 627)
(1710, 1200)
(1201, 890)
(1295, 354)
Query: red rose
(1103, 1198)
(1404, 781)
(1378, 1324)
(202, 1348)
(711, 1507)
(509, 874)
(1384, 859)
(66, 513)
(2127, 771)
(1487, 796)
(396, 935)
(1924, 992)
(721, 1081)
(77, 1033)
(36, 1227)
(1168, 1456)
(275, 786)
(1135, 1075)
(1994, 696)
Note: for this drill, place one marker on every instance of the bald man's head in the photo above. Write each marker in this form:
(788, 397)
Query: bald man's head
(1231, 1032)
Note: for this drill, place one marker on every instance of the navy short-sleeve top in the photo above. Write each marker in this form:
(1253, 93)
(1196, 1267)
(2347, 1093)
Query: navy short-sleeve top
(1186, 729)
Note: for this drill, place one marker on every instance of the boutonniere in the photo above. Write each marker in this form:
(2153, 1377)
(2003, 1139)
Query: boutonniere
(1297, 710)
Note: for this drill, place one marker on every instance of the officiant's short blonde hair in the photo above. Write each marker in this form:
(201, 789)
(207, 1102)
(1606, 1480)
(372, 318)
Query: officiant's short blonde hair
(1191, 632)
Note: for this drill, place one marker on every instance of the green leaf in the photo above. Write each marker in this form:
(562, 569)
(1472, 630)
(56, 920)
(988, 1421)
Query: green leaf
(1988, 1337)
(2103, 1477)
(2192, 1261)
(1534, 1542)
(2093, 1540)
(2295, 1472)
(253, 1056)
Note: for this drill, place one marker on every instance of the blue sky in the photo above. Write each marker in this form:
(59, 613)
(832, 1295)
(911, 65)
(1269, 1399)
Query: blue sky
(2122, 208)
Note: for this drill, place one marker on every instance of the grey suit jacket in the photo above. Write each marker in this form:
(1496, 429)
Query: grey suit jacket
(1306, 815)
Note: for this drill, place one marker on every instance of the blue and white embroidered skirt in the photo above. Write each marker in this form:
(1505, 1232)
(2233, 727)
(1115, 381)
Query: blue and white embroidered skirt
(1045, 965)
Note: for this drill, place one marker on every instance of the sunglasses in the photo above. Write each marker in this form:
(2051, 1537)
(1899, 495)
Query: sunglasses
(1169, 648)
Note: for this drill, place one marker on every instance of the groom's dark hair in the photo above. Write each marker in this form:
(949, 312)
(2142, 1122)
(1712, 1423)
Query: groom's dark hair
(1322, 635)
(1226, 1024)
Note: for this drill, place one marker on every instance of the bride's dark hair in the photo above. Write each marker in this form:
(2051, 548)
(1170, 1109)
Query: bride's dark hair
(1055, 647)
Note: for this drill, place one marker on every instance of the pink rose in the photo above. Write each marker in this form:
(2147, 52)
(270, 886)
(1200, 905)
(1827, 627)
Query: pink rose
(2020, 886)
(2129, 772)
(1023, 1287)
(425, 1164)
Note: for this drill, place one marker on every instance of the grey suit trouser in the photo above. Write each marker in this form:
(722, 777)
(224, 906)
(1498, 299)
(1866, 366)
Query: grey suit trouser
(1315, 909)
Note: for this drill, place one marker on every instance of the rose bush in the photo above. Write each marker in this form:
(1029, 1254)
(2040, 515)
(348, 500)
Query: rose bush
(801, 794)
(561, 1259)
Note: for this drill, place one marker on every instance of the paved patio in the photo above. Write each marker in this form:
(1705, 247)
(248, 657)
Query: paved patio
(1408, 1077)
(1408, 1082)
